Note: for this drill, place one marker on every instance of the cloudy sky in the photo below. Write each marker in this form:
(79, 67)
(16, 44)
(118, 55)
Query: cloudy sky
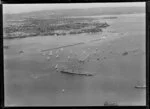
(18, 8)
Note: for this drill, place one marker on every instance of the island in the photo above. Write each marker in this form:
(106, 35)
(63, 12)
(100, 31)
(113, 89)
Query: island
(31, 27)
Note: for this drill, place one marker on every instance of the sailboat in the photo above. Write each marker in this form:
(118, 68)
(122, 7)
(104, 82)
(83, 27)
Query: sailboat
(50, 53)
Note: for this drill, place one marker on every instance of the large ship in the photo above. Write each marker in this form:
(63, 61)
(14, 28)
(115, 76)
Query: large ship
(67, 71)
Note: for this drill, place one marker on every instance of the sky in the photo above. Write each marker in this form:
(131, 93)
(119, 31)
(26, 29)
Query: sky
(19, 8)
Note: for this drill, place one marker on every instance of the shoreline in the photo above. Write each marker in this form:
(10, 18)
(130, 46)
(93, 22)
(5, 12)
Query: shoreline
(59, 35)
(11, 38)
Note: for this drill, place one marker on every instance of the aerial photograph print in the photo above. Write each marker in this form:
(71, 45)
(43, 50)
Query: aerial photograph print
(74, 54)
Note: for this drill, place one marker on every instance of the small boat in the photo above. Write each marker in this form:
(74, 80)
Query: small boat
(43, 54)
(21, 51)
(50, 53)
(57, 56)
(140, 87)
(71, 52)
(125, 53)
(68, 57)
(110, 103)
(63, 90)
(6, 47)
(83, 59)
(61, 49)
(57, 51)
(76, 73)
(103, 37)
(56, 66)
(84, 52)
(48, 58)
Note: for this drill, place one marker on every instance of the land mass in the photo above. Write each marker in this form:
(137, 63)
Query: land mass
(43, 27)
(60, 22)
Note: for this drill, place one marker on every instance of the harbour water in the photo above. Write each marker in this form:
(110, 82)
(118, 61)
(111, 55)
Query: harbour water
(30, 79)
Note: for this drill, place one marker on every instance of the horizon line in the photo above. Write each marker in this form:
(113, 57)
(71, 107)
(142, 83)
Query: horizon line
(27, 8)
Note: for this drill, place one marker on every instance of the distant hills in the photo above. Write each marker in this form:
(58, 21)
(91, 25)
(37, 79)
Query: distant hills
(74, 12)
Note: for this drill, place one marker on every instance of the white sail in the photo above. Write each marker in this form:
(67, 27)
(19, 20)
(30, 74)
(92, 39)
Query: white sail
(50, 53)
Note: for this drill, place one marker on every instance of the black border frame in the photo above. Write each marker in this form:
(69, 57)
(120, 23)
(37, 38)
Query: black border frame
(147, 19)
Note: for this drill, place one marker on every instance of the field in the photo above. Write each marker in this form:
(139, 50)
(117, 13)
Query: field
(117, 58)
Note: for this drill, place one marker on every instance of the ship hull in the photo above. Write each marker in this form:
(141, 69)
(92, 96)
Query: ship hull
(72, 73)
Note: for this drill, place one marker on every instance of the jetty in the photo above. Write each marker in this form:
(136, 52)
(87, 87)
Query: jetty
(62, 46)
(70, 45)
